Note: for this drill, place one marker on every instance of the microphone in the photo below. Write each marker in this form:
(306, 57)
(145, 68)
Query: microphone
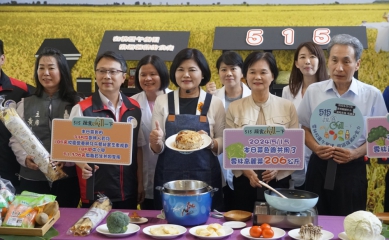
(187, 91)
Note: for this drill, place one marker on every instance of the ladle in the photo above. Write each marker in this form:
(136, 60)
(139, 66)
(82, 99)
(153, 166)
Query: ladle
(279, 194)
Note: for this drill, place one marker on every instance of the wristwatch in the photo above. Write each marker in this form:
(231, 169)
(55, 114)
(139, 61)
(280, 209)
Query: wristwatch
(211, 145)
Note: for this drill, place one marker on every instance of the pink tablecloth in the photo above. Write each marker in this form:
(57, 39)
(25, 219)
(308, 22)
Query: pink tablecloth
(70, 215)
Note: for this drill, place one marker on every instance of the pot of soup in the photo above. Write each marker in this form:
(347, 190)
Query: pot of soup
(186, 202)
(295, 201)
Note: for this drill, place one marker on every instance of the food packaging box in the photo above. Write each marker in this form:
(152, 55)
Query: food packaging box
(36, 231)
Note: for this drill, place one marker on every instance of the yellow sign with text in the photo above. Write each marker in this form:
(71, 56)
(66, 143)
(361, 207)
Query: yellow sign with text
(91, 140)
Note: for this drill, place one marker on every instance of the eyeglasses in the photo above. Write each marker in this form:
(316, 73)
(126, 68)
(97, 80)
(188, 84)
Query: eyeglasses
(110, 72)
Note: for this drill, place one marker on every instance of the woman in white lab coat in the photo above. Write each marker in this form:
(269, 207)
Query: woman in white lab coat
(229, 66)
(152, 77)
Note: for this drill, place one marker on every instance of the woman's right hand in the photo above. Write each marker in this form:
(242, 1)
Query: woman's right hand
(86, 170)
(30, 163)
(156, 135)
(211, 87)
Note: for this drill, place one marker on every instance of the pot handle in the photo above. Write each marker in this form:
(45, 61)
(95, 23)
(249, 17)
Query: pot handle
(212, 190)
(159, 188)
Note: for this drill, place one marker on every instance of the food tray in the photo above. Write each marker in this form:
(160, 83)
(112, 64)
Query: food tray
(37, 231)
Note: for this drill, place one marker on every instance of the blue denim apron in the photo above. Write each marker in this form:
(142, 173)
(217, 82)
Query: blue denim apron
(200, 165)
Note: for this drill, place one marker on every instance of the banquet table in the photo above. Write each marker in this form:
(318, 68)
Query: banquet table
(69, 216)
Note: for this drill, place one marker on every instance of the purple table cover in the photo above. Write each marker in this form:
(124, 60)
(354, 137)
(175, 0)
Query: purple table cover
(69, 216)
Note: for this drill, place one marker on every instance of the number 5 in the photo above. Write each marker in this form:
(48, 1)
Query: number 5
(254, 37)
(321, 36)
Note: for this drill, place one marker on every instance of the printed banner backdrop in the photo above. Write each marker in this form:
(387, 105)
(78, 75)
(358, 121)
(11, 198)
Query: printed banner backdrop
(278, 38)
(134, 45)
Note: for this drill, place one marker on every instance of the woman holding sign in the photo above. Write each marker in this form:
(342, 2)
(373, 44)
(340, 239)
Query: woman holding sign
(188, 108)
(309, 66)
(261, 108)
(54, 98)
(152, 77)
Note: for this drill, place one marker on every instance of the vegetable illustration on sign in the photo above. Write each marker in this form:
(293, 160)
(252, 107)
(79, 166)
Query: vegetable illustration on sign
(378, 135)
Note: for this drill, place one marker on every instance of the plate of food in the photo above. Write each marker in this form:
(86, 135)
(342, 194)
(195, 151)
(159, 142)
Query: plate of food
(278, 233)
(326, 235)
(131, 229)
(136, 219)
(164, 231)
(188, 141)
(343, 236)
(211, 231)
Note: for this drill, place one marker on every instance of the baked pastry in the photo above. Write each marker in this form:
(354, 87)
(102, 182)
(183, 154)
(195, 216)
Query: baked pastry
(310, 232)
(189, 140)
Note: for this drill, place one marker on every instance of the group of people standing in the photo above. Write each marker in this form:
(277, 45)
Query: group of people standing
(161, 113)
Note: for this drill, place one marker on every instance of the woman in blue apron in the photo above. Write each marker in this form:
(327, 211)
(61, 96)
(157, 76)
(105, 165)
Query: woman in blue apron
(188, 108)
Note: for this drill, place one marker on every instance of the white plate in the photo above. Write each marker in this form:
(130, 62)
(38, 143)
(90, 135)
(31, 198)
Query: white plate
(343, 236)
(131, 229)
(181, 229)
(295, 234)
(193, 230)
(171, 143)
(235, 224)
(138, 220)
(278, 233)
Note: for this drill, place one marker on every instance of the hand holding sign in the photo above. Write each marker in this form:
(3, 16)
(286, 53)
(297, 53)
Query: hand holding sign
(324, 152)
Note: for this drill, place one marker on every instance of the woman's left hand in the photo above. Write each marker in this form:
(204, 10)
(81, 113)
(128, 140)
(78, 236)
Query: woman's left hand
(269, 175)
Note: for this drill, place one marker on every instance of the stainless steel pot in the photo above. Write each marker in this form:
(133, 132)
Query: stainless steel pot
(186, 187)
(186, 202)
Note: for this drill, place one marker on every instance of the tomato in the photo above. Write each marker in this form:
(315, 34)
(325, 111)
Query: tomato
(255, 231)
(265, 225)
(267, 233)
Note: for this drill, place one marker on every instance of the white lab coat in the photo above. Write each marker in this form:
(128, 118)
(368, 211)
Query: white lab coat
(221, 93)
(149, 158)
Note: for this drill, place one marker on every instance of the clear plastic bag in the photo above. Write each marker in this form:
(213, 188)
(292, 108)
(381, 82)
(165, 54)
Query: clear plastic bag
(31, 144)
(96, 213)
(7, 195)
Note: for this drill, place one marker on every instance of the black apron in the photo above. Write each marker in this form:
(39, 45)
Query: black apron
(200, 165)
(350, 190)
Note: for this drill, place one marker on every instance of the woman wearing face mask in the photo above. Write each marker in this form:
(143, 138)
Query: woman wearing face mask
(188, 107)
(261, 108)
(152, 77)
(54, 98)
(229, 66)
(309, 66)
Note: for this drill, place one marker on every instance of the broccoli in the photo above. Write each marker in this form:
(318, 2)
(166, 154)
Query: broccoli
(117, 222)
(378, 135)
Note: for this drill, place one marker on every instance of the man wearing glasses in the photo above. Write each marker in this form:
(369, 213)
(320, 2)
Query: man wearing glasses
(122, 184)
(12, 89)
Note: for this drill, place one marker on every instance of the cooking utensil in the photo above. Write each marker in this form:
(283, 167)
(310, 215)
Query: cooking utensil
(296, 201)
(266, 185)
(237, 215)
(186, 202)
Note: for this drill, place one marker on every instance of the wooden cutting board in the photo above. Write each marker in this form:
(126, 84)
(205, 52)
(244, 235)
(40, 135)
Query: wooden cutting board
(383, 216)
